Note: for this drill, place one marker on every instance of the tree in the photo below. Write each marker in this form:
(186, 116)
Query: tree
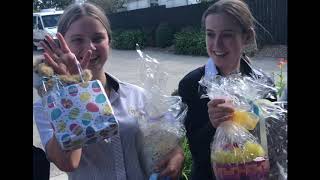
(109, 6)
(44, 4)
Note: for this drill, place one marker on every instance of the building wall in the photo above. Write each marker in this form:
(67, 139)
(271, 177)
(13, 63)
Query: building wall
(139, 4)
(176, 3)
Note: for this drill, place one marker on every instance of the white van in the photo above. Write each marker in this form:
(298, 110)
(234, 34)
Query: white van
(45, 23)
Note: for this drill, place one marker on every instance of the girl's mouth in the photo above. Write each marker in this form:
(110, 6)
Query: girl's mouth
(220, 53)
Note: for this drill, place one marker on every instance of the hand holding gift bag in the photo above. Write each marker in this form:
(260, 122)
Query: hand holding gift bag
(235, 152)
(80, 113)
(161, 122)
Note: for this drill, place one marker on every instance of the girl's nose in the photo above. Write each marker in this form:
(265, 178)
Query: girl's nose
(92, 46)
(218, 42)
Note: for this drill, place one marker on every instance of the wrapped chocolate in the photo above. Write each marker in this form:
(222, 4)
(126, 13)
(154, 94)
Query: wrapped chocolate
(80, 113)
(161, 123)
(240, 147)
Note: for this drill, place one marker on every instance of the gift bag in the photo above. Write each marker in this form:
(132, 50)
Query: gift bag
(80, 114)
(237, 154)
(239, 149)
(161, 122)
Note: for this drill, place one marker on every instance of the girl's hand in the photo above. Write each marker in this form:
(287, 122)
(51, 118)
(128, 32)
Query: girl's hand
(171, 166)
(61, 59)
(220, 110)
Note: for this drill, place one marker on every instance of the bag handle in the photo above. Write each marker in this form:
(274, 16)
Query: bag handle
(80, 70)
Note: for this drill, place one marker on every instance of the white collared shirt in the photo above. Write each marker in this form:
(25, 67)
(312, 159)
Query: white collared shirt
(98, 160)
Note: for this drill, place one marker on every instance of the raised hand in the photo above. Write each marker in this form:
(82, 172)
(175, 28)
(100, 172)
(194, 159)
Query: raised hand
(60, 58)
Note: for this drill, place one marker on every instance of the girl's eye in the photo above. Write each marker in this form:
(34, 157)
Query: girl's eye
(228, 35)
(210, 34)
(98, 39)
(77, 40)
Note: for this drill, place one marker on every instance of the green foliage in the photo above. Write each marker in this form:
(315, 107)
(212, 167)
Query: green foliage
(190, 42)
(109, 6)
(186, 172)
(45, 4)
(127, 39)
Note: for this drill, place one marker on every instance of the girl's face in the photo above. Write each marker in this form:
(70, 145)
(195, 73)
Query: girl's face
(88, 33)
(225, 41)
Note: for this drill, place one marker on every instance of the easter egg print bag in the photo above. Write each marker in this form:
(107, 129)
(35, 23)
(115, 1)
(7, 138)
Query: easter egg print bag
(80, 114)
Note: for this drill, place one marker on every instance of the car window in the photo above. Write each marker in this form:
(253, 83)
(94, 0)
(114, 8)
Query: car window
(39, 23)
(51, 20)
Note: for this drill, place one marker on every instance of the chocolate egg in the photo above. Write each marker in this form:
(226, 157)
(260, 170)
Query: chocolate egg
(55, 114)
(66, 103)
(73, 90)
(96, 87)
(74, 113)
(85, 96)
(91, 107)
(101, 98)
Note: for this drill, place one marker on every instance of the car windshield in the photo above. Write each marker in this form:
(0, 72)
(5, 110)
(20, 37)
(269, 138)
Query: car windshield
(50, 20)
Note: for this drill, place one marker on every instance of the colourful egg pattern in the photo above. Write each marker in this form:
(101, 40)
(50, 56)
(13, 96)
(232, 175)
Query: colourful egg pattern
(84, 97)
(73, 90)
(66, 103)
(50, 102)
(101, 98)
(85, 122)
(91, 107)
(86, 116)
(76, 129)
(90, 115)
(61, 126)
(90, 132)
(96, 87)
(107, 110)
(55, 114)
(74, 113)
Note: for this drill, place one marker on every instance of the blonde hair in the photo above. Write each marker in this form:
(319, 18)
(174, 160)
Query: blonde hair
(76, 11)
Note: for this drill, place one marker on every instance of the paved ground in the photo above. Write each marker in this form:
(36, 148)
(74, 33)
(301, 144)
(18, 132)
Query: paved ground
(124, 65)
